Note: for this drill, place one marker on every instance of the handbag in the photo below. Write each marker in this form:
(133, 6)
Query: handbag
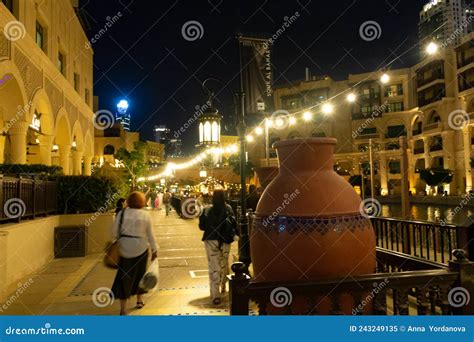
(112, 254)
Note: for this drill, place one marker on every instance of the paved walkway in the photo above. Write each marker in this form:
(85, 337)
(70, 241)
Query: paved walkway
(66, 286)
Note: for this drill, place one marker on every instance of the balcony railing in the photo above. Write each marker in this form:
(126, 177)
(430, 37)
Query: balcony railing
(405, 286)
(368, 136)
(436, 147)
(419, 150)
(395, 135)
(435, 76)
(415, 265)
(23, 198)
(462, 62)
(432, 126)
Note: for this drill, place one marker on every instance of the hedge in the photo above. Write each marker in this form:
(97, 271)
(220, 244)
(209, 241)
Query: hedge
(88, 194)
(43, 171)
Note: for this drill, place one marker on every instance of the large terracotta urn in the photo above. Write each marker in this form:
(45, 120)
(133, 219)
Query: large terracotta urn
(266, 174)
(308, 225)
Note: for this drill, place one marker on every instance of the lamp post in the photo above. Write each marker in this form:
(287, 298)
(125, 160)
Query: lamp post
(244, 243)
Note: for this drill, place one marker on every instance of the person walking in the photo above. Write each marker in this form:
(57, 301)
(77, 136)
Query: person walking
(121, 203)
(212, 222)
(133, 231)
(167, 201)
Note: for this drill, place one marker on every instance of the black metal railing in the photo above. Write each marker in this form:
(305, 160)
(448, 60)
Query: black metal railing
(404, 286)
(24, 198)
(426, 240)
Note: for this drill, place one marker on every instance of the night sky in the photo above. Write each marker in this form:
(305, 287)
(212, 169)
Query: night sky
(144, 58)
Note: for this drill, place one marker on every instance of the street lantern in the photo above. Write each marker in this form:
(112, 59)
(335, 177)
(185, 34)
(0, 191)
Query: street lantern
(210, 126)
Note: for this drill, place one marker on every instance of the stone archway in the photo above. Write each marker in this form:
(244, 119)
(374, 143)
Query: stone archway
(88, 154)
(41, 130)
(77, 148)
(14, 115)
(63, 141)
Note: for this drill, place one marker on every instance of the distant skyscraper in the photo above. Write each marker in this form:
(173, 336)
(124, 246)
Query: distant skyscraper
(161, 134)
(442, 21)
(123, 115)
(173, 149)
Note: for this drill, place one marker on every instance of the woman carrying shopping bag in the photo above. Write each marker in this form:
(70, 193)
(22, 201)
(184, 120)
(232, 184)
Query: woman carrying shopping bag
(216, 221)
(133, 230)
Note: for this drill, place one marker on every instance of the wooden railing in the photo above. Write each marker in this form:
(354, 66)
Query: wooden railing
(23, 198)
(431, 241)
(404, 285)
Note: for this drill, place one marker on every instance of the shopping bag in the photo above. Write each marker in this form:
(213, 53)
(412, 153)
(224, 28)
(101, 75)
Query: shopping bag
(150, 279)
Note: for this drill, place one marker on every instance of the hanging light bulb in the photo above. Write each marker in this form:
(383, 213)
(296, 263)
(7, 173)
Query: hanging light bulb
(307, 116)
(351, 97)
(292, 120)
(385, 78)
(250, 138)
(259, 130)
(327, 108)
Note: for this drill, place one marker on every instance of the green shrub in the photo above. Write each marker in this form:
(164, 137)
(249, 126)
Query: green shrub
(88, 194)
(43, 171)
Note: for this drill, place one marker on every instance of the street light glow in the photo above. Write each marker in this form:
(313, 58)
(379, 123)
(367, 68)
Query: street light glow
(432, 48)
(279, 122)
(250, 138)
(123, 105)
(351, 97)
(327, 108)
(259, 130)
(307, 116)
(385, 78)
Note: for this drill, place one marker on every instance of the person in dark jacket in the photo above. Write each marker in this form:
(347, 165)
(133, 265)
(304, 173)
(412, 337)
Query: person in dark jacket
(120, 205)
(211, 221)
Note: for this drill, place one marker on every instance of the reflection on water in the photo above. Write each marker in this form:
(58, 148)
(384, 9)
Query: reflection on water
(430, 213)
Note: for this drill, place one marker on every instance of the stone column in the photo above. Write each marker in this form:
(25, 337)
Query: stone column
(2, 149)
(45, 147)
(87, 165)
(77, 162)
(64, 154)
(383, 174)
(426, 146)
(3, 265)
(18, 146)
(448, 158)
(466, 134)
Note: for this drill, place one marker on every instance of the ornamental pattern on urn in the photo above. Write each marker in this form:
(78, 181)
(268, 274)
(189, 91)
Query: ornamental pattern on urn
(321, 225)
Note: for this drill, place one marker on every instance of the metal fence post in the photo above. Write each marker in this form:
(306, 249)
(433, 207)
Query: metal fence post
(465, 283)
(238, 295)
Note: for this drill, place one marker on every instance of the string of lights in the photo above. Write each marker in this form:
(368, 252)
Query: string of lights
(306, 114)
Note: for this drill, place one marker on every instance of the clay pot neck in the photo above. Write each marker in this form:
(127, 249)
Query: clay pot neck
(310, 154)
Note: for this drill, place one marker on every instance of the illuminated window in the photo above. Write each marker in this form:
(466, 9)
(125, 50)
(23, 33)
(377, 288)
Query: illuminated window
(215, 132)
(207, 131)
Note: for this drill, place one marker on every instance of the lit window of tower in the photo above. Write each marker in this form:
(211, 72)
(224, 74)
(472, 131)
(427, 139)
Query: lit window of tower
(123, 116)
